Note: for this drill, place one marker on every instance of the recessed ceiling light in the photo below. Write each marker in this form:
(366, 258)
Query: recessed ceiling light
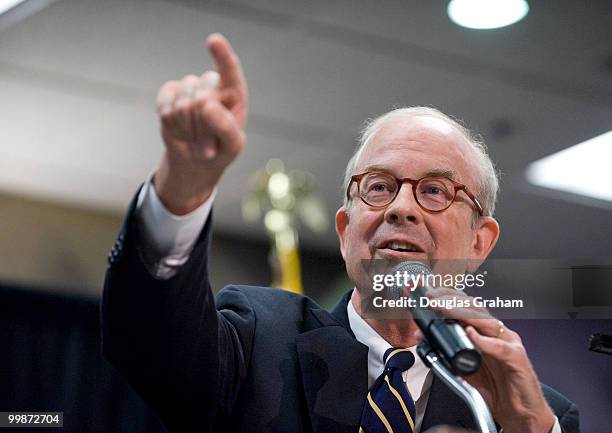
(487, 14)
(582, 169)
(6, 5)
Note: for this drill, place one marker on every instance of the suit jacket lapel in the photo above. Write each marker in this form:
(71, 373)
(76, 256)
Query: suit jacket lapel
(340, 314)
(334, 370)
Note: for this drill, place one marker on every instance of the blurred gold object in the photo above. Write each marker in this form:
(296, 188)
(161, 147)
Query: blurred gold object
(283, 200)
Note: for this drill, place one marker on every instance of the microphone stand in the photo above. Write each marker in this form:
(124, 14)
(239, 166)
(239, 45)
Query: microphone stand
(467, 392)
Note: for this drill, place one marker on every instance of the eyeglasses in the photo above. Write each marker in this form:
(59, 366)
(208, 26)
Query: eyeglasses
(434, 194)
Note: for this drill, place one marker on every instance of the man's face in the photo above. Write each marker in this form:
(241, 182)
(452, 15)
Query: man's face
(415, 147)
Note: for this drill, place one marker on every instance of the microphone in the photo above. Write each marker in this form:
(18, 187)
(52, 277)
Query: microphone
(445, 336)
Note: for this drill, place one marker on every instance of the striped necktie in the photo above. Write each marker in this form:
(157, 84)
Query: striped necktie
(389, 408)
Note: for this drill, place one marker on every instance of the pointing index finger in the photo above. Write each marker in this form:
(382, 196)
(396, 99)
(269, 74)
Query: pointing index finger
(228, 64)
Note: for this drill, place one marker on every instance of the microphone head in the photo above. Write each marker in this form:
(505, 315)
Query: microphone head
(410, 267)
(447, 338)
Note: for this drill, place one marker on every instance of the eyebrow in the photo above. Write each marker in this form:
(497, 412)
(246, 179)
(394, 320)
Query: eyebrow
(442, 172)
(451, 174)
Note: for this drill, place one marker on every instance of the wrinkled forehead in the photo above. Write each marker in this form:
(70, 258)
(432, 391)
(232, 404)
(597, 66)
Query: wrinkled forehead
(415, 145)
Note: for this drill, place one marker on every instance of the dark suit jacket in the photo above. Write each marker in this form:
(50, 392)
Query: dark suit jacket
(255, 359)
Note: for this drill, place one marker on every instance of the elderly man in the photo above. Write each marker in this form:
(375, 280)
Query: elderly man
(264, 360)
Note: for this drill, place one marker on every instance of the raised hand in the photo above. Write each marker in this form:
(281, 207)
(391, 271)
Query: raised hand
(202, 124)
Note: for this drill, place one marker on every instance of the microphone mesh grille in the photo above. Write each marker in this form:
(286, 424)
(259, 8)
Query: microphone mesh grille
(411, 268)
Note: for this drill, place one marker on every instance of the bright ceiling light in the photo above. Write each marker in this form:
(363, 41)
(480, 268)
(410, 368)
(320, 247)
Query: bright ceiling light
(6, 5)
(582, 169)
(486, 14)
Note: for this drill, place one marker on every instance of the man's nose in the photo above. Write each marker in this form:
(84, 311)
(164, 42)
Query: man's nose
(404, 208)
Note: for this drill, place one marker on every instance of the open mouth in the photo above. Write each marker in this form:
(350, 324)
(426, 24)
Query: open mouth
(402, 247)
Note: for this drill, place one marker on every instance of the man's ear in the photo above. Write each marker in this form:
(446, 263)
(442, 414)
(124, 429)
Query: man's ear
(342, 221)
(485, 237)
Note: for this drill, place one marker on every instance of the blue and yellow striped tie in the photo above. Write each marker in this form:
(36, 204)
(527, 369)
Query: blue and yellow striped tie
(389, 408)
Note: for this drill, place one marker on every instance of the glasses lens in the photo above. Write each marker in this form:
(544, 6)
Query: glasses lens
(378, 189)
(435, 193)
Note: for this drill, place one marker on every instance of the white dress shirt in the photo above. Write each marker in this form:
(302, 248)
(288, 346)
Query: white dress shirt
(168, 240)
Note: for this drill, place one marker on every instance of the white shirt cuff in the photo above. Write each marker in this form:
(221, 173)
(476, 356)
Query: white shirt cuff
(167, 239)
(556, 427)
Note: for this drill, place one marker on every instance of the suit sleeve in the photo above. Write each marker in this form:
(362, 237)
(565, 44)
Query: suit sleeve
(569, 421)
(565, 410)
(183, 357)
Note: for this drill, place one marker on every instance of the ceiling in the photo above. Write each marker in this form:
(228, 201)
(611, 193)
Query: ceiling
(79, 79)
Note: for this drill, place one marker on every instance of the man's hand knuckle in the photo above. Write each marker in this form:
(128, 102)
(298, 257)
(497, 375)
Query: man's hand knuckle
(519, 350)
(167, 116)
(514, 334)
(505, 349)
